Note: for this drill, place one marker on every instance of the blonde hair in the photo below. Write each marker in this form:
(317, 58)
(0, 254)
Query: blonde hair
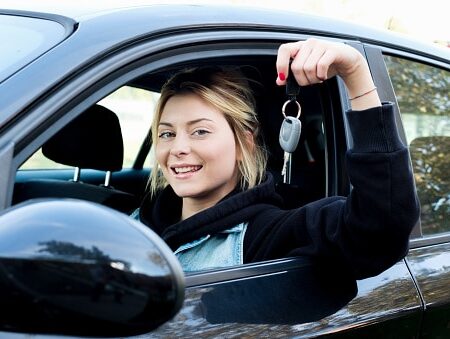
(228, 91)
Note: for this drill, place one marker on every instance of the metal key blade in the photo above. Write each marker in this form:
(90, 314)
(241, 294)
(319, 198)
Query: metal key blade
(286, 171)
(289, 137)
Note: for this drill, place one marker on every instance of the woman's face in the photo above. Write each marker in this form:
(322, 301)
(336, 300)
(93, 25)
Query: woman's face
(196, 149)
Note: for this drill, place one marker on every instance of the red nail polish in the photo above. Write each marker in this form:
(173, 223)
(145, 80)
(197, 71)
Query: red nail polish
(281, 76)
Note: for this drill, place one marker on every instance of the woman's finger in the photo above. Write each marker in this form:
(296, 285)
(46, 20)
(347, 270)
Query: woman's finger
(325, 65)
(297, 65)
(286, 52)
(310, 67)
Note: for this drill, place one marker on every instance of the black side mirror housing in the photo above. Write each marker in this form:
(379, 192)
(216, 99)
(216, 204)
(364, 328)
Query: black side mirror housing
(73, 267)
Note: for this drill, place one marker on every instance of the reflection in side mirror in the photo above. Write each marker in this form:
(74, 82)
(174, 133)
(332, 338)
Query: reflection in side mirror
(77, 268)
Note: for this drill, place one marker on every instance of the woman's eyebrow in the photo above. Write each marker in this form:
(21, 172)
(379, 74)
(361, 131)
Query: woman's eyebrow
(168, 124)
(189, 123)
(192, 122)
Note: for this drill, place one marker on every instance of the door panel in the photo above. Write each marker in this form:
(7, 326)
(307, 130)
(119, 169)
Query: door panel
(431, 267)
(284, 304)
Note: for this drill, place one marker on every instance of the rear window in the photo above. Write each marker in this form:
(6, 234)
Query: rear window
(23, 39)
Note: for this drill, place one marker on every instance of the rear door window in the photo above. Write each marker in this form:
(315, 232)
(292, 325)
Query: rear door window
(423, 96)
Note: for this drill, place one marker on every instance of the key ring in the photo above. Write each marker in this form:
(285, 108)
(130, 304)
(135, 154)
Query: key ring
(298, 106)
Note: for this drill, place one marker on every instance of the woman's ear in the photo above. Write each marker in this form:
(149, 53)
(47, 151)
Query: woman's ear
(248, 142)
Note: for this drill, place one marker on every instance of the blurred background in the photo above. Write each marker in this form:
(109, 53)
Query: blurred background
(423, 20)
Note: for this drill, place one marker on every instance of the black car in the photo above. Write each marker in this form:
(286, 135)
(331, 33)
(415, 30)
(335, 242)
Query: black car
(77, 91)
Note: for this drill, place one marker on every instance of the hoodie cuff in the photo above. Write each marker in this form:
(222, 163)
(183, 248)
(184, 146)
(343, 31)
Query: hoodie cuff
(374, 130)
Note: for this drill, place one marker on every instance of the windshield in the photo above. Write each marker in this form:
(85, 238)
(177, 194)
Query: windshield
(23, 39)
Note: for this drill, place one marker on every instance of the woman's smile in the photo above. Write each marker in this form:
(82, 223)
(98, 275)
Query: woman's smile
(185, 171)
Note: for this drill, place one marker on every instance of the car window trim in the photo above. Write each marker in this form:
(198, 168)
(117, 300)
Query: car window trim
(429, 240)
(245, 271)
(6, 174)
(69, 24)
(428, 60)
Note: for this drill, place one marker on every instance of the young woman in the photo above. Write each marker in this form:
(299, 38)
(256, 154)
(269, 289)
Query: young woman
(215, 205)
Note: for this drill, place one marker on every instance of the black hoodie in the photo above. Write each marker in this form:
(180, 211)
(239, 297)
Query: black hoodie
(367, 232)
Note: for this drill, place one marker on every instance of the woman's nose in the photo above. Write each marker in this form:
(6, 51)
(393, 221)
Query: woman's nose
(180, 146)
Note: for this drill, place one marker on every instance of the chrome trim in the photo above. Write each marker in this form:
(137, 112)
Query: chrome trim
(76, 174)
(244, 271)
(430, 240)
(107, 178)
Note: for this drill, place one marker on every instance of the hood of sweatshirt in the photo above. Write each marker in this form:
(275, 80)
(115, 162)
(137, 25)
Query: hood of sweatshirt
(163, 213)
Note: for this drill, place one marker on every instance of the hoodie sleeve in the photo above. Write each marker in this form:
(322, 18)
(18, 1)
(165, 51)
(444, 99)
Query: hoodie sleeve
(369, 230)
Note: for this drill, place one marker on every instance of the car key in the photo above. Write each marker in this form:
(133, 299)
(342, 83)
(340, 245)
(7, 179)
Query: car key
(289, 136)
(291, 127)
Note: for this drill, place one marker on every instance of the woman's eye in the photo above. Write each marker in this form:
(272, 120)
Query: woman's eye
(165, 135)
(201, 132)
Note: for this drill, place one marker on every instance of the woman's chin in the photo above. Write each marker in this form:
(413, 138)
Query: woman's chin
(184, 192)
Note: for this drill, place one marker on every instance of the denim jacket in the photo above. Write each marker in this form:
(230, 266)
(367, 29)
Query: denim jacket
(223, 249)
(219, 250)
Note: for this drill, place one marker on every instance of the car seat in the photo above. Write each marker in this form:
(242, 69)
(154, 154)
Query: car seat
(93, 140)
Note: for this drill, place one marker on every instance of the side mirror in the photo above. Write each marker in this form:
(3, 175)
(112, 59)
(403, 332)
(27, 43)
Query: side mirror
(73, 267)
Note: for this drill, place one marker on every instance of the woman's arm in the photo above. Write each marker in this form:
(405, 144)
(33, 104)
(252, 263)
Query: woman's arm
(364, 233)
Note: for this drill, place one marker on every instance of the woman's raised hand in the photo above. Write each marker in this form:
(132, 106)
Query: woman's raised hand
(314, 61)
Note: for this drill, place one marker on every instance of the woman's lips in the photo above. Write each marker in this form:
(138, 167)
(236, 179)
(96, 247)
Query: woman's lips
(185, 171)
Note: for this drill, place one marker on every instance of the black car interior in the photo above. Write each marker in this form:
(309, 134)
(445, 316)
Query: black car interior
(94, 141)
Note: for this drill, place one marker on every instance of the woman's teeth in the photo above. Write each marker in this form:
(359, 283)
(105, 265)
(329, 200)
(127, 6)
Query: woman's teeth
(179, 170)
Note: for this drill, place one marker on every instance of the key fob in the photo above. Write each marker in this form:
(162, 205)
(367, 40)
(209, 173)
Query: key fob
(290, 133)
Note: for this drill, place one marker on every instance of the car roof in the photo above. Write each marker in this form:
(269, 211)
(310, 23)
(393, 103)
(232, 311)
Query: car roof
(174, 13)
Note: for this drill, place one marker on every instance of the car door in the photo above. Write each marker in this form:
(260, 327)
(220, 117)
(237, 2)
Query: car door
(274, 299)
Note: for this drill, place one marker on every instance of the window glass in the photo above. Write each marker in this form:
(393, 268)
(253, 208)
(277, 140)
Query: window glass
(23, 39)
(422, 92)
(134, 108)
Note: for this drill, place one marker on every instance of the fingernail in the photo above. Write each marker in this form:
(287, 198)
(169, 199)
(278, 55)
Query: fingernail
(281, 76)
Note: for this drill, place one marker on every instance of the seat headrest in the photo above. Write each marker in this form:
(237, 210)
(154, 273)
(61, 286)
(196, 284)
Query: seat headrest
(92, 140)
